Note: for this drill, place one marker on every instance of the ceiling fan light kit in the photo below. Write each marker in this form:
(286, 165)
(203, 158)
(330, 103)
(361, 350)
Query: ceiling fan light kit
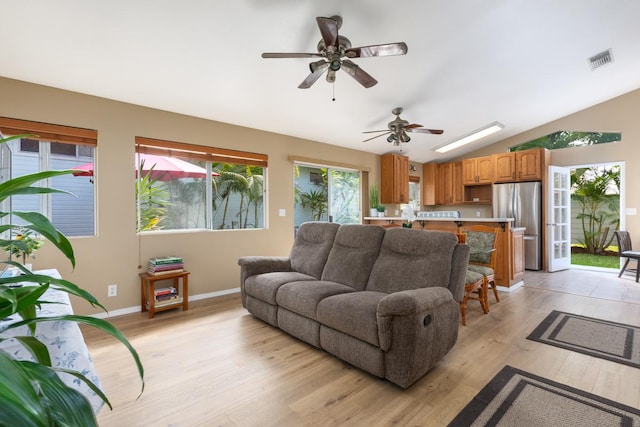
(484, 131)
(397, 130)
(334, 49)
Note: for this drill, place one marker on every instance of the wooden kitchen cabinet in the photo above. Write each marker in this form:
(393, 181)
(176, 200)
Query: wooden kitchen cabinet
(527, 165)
(478, 170)
(449, 189)
(530, 164)
(458, 188)
(445, 183)
(429, 183)
(394, 179)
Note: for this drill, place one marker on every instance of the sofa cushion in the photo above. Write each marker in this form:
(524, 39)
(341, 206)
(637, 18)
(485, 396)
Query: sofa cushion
(262, 310)
(303, 297)
(300, 327)
(355, 249)
(359, 353)
(412, 259)
(264, 286)
(311, 247)
(353, 314)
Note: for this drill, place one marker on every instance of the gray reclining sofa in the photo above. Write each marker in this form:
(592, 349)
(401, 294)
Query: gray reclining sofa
(384, 300)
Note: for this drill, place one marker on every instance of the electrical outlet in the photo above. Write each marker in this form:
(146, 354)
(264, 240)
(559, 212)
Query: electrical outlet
(112, 290)
(478, 214)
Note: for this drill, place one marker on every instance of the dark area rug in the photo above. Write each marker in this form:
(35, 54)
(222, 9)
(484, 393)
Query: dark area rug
(596, 337)
(517, 398)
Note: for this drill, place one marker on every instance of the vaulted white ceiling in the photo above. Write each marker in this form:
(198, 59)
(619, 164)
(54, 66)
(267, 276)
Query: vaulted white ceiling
(469, 63)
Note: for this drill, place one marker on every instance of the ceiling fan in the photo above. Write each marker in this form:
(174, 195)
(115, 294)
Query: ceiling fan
(336, 52)
(398, 128)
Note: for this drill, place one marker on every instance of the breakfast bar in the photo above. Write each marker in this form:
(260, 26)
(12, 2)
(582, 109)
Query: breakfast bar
(509, 271)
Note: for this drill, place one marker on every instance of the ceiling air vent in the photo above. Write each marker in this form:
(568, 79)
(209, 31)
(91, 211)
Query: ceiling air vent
(603, 58)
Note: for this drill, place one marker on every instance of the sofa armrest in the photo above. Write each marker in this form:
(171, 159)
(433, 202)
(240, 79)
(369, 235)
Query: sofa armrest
(413, 307)
(252, 265)
(412, 301)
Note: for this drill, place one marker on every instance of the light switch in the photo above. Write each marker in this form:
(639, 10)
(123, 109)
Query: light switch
(630, 211)
(282, 212)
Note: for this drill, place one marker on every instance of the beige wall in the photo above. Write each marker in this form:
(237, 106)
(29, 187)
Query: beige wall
(616, 115)
(115, 254)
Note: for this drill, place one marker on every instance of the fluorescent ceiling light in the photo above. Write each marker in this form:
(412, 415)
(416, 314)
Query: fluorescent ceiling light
(474, 136)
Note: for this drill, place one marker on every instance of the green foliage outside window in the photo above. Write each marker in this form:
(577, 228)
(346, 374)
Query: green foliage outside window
(567, 139)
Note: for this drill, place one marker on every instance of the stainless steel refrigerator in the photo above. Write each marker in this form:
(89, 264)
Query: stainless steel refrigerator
(522, 201)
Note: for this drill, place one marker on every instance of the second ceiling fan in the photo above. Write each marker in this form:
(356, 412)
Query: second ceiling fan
(336, 53)
(397, 129)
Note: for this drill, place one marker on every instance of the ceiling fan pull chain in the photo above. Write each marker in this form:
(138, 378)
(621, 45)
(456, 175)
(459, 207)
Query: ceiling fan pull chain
(334, 91)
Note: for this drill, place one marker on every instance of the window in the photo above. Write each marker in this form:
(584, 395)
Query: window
(569, 139)
(53, 147)
(326, 194)
(183, 186)
(414, 192)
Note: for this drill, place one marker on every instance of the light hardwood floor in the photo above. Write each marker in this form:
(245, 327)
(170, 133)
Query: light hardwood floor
(216, 365)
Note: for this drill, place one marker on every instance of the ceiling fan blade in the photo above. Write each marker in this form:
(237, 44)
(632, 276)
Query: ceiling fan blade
(374, 131)
(425, 130)
(315, 75)
(290, 55)
(329, 30)
(358, 73)
(377, 136)
(387, 49)
(413, 126)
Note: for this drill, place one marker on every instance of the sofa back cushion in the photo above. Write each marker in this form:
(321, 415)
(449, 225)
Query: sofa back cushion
(412, 259)
(311, 247)
(354, 251)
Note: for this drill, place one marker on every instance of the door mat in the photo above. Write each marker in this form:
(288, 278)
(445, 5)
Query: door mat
(595, 337)
(517, 398)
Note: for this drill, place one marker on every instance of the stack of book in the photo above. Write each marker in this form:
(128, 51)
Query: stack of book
(165, 265)
(166, 296)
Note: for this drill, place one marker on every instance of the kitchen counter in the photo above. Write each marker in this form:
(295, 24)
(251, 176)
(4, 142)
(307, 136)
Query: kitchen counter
(443, 219)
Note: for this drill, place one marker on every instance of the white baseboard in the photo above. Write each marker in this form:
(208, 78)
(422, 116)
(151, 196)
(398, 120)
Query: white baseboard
(136, 309)
(510, 288)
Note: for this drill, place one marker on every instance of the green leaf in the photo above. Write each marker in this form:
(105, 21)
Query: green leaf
(99, 324)
(20, 405)
(60, 284)
(17, 185)
(85, 380)
(18, 300)
(37, 349)
(41, 225)
(64, 405)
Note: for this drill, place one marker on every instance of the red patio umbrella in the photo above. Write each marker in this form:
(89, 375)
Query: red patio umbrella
(162, 168)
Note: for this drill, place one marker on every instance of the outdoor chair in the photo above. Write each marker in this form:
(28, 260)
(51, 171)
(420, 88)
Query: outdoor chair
(626, 251)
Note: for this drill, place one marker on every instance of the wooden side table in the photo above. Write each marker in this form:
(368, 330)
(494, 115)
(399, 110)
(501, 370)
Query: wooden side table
(147, 292)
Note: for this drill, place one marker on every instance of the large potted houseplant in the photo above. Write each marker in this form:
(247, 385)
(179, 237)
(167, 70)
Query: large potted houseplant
(31, 393)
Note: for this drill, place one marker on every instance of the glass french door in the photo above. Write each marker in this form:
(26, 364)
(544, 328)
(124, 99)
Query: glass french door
(326, 194)
(559, 219)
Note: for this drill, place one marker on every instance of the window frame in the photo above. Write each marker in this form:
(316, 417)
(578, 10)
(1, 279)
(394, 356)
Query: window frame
(47, 134)
(210, 155)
